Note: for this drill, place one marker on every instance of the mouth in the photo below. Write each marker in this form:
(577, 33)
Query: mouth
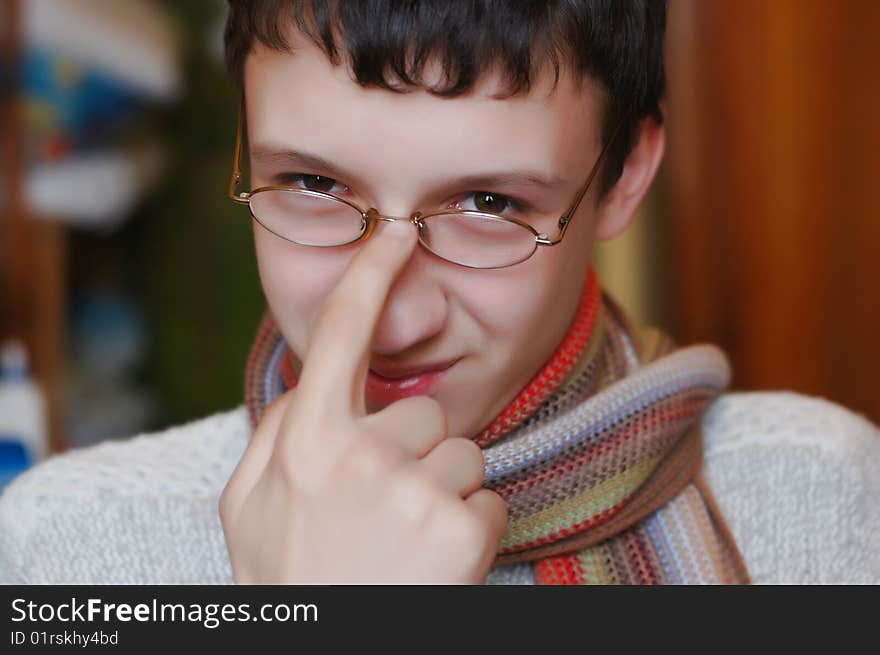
(386, 385)
(401, 372)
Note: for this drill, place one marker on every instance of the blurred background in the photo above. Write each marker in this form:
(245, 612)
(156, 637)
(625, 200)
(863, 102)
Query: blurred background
(128, 282)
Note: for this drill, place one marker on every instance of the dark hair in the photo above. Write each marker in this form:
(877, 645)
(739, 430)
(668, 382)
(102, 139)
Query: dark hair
(387, 43)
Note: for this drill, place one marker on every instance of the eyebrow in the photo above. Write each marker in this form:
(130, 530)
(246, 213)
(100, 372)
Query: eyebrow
(303, 160)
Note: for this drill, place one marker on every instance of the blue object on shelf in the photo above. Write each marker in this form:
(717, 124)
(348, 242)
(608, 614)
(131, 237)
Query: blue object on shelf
(14, 459)
(70, 102)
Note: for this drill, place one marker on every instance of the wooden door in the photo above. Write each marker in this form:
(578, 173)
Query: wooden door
(771, 183)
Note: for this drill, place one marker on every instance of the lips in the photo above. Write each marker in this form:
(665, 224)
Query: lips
(397, 373)
(388, 385)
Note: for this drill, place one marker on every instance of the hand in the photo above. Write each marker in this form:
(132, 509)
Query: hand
(325, 493)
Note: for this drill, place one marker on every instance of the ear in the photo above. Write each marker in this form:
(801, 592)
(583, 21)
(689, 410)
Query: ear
(617, 209)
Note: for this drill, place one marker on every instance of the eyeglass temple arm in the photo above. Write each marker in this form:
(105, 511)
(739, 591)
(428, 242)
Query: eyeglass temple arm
(565, 219)
(242, 197)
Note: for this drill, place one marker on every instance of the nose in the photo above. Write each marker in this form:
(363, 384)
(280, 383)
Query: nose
(416, 308)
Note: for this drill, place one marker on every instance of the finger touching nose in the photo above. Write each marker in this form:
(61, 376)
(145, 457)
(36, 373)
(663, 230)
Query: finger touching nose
(339, 347)
(416, 309)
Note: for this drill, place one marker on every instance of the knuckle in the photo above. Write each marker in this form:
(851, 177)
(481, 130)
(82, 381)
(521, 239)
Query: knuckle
(468, 530)
(469, 450)
(300, 434)
(427, 410)
(368, 458)
(415, 498)
(466, 455)
(297, 471)
(283, 468)
(285, 461)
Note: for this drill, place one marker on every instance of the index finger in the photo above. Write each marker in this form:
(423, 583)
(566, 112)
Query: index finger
(338, 354)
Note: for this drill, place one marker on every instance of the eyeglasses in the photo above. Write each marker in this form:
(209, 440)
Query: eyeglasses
(470, 238)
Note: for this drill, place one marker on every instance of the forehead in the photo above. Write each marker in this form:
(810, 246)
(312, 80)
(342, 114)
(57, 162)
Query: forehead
(300, 99)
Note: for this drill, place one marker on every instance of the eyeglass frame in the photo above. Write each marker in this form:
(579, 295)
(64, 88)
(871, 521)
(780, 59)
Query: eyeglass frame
(371, 216)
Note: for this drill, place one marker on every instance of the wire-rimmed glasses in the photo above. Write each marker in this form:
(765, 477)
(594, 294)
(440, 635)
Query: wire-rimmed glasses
(470, 238)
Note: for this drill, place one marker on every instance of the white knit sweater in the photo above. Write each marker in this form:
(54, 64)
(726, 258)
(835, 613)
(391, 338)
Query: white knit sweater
(797, 478)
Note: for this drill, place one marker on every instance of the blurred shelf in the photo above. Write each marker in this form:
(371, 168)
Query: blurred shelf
(131, 42)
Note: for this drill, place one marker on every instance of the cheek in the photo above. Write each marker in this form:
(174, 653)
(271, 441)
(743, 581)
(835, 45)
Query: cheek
(536, 300)
(296, 280)
(514, 306)
(531, 312)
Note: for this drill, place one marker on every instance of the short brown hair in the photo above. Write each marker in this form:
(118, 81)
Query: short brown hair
(388, 42)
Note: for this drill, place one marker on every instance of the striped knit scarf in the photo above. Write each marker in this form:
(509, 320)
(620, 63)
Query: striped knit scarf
(598, 457)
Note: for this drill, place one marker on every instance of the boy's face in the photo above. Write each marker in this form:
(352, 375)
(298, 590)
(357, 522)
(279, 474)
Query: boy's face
(398, 153)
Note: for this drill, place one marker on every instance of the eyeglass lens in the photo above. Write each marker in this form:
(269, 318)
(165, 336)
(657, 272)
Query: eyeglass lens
(475, 240)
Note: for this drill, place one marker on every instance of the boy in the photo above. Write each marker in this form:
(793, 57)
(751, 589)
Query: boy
(440, 391)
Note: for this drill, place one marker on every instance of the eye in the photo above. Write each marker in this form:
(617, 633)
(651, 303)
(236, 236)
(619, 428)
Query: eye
(491, 203)
(311, 182)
